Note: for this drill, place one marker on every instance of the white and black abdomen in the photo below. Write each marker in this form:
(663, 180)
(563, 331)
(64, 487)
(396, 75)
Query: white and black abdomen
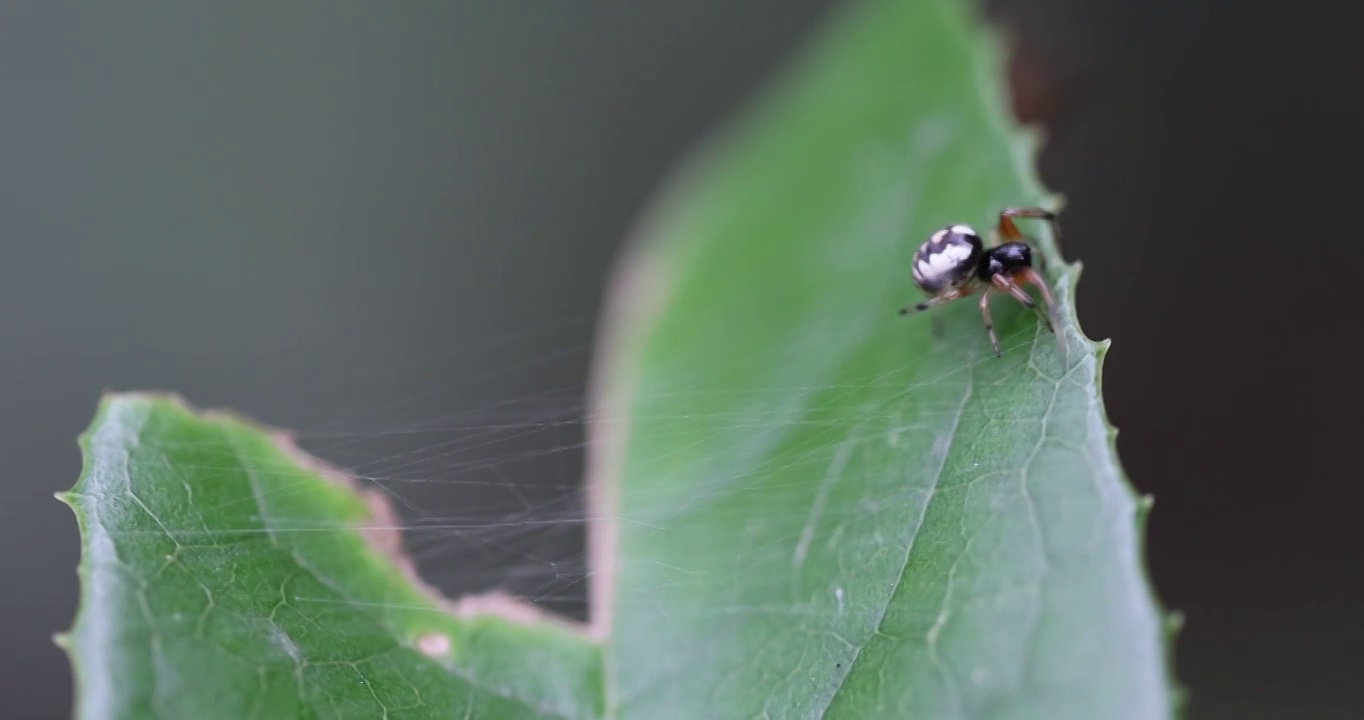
(947, 260)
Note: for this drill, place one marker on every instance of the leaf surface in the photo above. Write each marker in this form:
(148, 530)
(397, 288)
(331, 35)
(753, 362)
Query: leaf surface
(822, 510)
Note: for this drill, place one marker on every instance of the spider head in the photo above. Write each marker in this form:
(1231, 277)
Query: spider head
(1006, 259)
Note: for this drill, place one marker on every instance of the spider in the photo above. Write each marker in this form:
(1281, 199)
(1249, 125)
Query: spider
(953, 264)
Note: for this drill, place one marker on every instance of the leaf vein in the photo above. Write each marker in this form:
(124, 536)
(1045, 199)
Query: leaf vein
(909, 549)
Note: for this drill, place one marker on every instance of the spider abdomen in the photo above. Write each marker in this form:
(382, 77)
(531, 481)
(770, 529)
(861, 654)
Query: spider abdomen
(946, 260)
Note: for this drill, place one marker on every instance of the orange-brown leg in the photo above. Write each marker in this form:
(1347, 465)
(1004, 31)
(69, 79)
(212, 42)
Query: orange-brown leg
(1032, 277)
(1006, 285)
(1009, 231)
(989, 324)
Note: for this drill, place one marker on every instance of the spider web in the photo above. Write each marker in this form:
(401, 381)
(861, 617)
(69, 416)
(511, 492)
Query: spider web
(484, 465)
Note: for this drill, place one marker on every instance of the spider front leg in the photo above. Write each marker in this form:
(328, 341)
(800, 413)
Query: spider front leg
(1009, 231)
(1029, 275)
(1032, 277)
(1006, 285)
(989, 324)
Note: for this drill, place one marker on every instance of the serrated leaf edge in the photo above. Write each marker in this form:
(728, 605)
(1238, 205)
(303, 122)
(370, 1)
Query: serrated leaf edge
(1028, 143)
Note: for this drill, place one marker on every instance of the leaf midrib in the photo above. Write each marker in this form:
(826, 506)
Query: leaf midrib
(909, 550)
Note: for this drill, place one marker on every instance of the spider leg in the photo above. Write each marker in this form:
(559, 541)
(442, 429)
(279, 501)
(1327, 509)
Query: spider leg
(1004, 284)
(934, 301)
(1009, 230)
(989, 324)
(1032, 277)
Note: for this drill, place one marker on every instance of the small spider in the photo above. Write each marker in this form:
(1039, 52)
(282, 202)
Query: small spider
(953, 264)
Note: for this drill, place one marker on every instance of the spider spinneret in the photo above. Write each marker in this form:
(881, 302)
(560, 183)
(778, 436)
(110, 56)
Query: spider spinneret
(953, 263)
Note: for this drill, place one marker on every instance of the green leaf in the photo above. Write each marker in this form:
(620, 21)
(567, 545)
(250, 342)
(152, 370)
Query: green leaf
(225, 575)
(822, 511)
(803, 504)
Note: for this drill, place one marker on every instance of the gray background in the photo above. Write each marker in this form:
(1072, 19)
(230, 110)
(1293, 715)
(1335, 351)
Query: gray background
(357, 219)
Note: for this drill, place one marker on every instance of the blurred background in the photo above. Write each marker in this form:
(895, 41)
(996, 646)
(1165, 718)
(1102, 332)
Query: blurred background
(388, 226)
